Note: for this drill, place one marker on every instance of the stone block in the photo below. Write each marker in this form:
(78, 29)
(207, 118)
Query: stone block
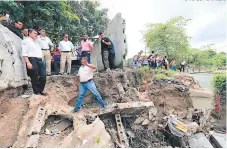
(199, 140)
(218, 139)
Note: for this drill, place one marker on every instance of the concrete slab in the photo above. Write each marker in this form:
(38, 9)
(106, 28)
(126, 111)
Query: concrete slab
(126, 109)
(218, 139)
(199, 140)
(38, 121)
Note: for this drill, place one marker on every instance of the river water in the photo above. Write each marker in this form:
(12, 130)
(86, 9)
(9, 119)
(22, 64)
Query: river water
(204, 79)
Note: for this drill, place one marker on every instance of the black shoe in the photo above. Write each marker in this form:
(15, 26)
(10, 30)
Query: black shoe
(43, 94)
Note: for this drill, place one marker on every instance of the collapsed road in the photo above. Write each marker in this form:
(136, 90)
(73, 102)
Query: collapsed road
(141, 112)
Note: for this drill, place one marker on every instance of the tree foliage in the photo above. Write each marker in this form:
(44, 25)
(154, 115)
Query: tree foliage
(168, 38)
(58, 17)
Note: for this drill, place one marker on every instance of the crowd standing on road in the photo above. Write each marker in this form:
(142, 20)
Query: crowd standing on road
(155, 61)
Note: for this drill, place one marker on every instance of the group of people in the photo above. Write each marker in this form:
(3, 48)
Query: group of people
(155, 61)
(37, 49)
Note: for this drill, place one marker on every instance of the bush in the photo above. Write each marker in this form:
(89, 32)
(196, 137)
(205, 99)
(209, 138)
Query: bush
(219, 82)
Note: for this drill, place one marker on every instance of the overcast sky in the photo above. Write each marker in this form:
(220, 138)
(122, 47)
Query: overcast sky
(208, 24)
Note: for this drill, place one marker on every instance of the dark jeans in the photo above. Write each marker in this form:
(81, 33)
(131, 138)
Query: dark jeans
(153, 64)
(181, 68)
(56, 67)
(85, 53)
(108, 59)
(37, 74)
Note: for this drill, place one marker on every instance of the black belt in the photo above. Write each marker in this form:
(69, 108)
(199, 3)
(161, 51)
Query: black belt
(45, 49)
(65, 51)
(39, 59)
(86, 81)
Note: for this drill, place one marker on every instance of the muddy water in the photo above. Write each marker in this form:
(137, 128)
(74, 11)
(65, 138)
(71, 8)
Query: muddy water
(204, 80)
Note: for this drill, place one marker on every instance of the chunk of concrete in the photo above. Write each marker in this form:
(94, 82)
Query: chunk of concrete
(199, 140)
(127, 109)
(145, 122)
(38, 121)
(218, 139)
(95, 135)
(139, 120)
(152, 112)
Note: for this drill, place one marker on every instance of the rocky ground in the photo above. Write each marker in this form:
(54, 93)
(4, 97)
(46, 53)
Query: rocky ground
(37, 121)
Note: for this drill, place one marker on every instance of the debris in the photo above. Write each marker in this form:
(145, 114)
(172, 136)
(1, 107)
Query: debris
(85, 141)
(168, 111)
(130, 134)
(181, 114)
(199, 140)
(189, 114)
(57, 121)
(63, 125)
(152, 112)
(192, 128)
(54, 132)
(145, 122)
(121, 131)
(160, 126)
(218, 139)
(139, 120)
(175, 126)
(47, 132)
(25, 96)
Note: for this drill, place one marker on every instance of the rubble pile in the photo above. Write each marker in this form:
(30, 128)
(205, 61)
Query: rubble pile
(140, 113)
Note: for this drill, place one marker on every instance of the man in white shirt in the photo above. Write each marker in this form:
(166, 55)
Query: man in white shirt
(66, 47)
(182, 65)
(86, 83)
(45, 44)
(31, 51)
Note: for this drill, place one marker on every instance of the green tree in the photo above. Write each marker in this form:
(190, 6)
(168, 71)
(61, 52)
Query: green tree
(219, 60)
(58, 17)
(168, 38)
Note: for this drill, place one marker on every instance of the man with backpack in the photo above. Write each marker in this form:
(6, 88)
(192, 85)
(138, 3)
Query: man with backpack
(108, 52)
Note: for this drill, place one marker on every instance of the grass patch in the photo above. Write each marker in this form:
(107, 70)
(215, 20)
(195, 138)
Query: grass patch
(161, 76)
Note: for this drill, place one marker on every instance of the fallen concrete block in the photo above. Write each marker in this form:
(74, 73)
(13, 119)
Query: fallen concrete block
(139, 120)
(145, 122)
(152, 112)
(126, 109)
(218, 139)
(93, 135)
(199, 140)
(38, 121)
